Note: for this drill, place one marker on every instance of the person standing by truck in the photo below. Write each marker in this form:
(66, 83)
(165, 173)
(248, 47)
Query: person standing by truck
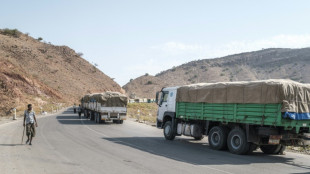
(31, 123)
(74, 108)
(79, 111)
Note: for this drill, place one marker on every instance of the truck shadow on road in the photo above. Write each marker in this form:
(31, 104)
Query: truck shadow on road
(73, 119)
(198, 152)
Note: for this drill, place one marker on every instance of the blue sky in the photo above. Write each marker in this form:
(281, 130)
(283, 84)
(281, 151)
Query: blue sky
(133, 37)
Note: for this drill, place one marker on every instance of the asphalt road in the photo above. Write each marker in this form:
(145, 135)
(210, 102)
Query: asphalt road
(66, 144)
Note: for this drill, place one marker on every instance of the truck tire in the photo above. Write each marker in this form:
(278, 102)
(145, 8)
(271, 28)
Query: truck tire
(92, 116)
(218, 138)
(121, 121)
(237, 142)
(271, 149)
(199, 138)
(169, 133)
(252, 148)
(282, 149)
(96, 121)
(99, 118)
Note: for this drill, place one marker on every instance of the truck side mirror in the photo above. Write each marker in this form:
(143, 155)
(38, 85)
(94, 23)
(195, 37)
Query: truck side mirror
(156, 99)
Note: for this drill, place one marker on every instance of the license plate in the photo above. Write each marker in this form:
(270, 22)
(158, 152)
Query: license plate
(274, 139)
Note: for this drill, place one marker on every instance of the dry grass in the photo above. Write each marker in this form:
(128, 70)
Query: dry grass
(148, 111)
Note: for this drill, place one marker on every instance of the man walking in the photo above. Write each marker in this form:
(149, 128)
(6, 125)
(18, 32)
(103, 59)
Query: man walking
(30, 119)
(79, 111)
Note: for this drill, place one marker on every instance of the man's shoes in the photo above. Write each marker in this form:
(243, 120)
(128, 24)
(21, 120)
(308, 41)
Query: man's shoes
(27, 141)
(30, 144)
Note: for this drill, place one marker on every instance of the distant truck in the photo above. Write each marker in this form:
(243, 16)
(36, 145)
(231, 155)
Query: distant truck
(102, 107)
(240, 116)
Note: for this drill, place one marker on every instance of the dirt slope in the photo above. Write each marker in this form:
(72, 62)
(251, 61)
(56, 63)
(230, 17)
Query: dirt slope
(272, 63)
(44, 73)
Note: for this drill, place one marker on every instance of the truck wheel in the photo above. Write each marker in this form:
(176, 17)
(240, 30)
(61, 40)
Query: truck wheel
(114, 121)
(95, 115)
(282, 149)
(92, 116)
(99, 118)
(271, 149)
(237, 142)
(199, 138)
(218, 138)
(121, 121)
(168, 131)
(252, 148)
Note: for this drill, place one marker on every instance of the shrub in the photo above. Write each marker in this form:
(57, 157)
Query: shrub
(80, 54)
(9, 32)
(40, 39)
(149, 82)
(146, 74)
(222, 74)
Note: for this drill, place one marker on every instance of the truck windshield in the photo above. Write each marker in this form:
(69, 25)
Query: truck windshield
(164, 97)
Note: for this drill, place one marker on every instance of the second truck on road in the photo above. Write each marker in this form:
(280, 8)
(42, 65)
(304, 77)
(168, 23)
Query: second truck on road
(102, 107)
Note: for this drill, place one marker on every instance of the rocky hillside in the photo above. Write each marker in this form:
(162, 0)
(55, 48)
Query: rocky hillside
(272, 63)
(44, 74)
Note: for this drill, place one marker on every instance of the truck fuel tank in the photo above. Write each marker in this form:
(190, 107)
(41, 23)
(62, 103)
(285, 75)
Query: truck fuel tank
(193, 130)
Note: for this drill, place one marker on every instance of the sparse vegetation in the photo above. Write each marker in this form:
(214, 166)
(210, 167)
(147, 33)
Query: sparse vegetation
(149, 82)
(222, 74)
(146, 74)
(147, 111)
(40, 39)
(10, 32)
(80, 54)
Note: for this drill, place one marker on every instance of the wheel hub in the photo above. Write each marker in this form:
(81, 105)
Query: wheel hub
(236, 141)
(167, 130)
(215, 138)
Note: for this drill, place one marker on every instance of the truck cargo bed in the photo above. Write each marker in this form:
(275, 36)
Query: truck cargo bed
(257, 114)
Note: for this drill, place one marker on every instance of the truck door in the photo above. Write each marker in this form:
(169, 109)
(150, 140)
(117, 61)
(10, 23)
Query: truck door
(163, 105)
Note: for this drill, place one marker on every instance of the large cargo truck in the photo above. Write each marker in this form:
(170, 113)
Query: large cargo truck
(102, 107)
(240, 116)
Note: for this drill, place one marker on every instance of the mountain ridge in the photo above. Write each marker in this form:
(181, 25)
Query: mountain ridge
(276, 63)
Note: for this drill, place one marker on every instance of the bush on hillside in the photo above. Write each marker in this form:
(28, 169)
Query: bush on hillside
(10, 32)
(149, 82)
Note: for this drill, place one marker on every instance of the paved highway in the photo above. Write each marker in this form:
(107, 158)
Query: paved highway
(66, 144)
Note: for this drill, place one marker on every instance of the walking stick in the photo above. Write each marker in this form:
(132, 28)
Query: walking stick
(23, 135)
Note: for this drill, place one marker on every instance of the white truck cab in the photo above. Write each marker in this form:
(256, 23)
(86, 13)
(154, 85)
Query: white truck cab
(166, 100)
